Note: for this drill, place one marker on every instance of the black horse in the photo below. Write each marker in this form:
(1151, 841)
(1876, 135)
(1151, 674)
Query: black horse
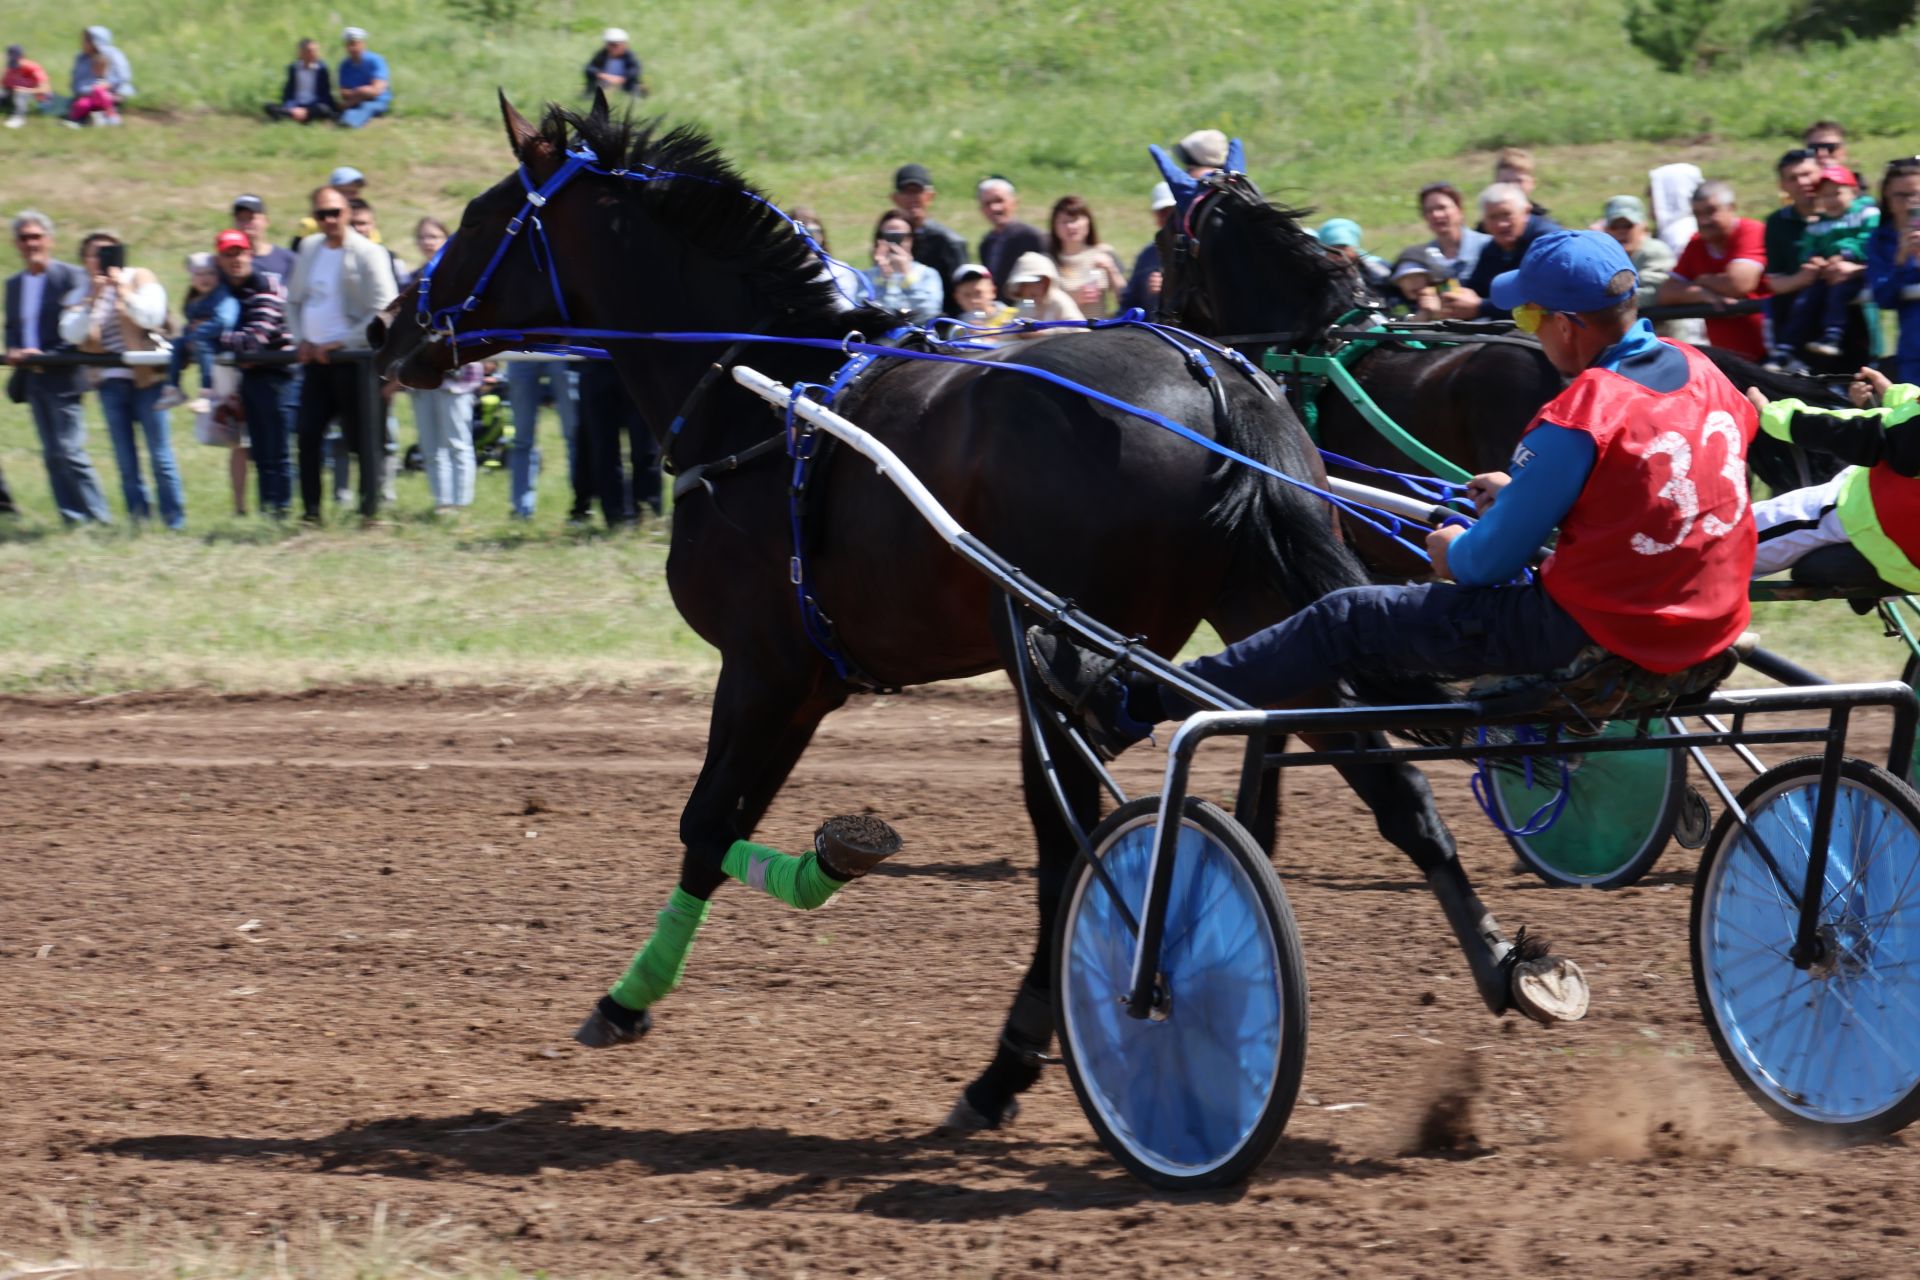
(1239, 265)
(1148, 532)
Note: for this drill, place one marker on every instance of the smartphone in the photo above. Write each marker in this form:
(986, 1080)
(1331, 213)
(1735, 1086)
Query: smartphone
(111, 256)
(1913, 218)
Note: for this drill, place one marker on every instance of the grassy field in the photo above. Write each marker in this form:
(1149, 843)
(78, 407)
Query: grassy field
(1348, 106)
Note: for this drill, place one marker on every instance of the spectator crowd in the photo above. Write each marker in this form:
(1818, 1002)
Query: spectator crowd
(289, 400)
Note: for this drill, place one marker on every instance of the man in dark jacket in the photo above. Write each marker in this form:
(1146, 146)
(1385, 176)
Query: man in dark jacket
(1508, 216)
(262, 327)
(940, 247)
(308, 94)
(34, 299)
(1007, 237)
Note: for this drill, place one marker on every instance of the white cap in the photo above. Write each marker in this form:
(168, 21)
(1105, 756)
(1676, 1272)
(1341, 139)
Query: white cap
(1162, 197)
(614, 35)
(969, 269)
(354, 33)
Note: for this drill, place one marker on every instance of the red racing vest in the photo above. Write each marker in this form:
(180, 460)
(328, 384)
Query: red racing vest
(1654, 555)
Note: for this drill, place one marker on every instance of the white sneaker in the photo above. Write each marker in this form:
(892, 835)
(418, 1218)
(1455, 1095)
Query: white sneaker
(170, 398)
(1827, 349)
(198, 405)
(14, 122)
(96, 118)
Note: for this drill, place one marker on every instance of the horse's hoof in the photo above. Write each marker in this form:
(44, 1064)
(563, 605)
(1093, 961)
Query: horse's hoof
(852, 845)
(604, 1029)
(967, 1118)
(1549, 989)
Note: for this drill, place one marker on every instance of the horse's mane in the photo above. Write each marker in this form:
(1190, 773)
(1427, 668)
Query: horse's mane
(713, 207)
(1298, 255)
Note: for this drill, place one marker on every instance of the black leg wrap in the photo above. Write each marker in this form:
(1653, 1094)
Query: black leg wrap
(1029, 1029)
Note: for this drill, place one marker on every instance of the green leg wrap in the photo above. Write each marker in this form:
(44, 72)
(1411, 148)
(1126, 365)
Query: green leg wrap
(656, 970)
(798, 882)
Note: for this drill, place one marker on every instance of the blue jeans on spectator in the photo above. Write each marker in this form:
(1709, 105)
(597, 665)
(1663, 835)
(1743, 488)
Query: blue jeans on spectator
(1819, 312)
(61, 421)
(128, 408)
(523, 396)
(445, 419)
(263, 398)
(357, 115)
(195, 344)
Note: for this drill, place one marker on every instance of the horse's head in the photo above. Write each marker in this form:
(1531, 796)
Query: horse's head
(1231, 262)
(500, 269)
(604, 224)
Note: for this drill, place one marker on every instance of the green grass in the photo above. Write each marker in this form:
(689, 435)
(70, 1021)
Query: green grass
(1350, 106)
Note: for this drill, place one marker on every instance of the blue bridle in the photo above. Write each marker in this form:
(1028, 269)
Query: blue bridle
(443, 323)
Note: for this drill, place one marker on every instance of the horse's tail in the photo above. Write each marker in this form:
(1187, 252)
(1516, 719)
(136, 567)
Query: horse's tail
(1285, 539)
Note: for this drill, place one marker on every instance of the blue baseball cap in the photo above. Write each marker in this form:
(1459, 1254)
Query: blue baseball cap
(1339, 233)
(1565, 271)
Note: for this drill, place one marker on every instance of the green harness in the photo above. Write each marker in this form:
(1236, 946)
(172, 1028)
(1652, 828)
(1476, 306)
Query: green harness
(1314, 372)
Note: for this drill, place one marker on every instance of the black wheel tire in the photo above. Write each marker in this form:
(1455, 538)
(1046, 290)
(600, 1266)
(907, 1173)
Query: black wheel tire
(1799, 773)
(1269, 905)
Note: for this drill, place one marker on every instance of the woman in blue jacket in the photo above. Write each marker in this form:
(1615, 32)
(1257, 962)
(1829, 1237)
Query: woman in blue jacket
(1893, 261)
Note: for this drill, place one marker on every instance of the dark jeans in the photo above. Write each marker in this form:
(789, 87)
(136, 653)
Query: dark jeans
(1819, 311)
(62, 425)
(6, 498)
(1433, 628)
(329, 391)
(607, 413)
(263, 395)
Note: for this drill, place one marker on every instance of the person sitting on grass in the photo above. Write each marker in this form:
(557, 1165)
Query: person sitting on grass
(1833, 272)
(308, 93)
(102, 79)
(365, 91)
(1341, 238)
(24, 84)
(210, 310)
(1638, 573)
(614, 67)
(1873, 504)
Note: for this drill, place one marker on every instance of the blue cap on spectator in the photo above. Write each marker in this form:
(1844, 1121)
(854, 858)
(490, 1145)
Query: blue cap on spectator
(343, 175)
(1565, 271)
(1339, 233)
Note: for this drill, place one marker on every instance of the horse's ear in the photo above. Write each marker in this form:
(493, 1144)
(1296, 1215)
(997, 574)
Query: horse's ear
(521, 136)
(1236, 157)
(600, 112)
(1184, 188)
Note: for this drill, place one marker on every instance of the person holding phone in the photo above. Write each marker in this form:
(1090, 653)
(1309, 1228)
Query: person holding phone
(1090, 271)
(1893, 260)
(900, 283)
(120, 309)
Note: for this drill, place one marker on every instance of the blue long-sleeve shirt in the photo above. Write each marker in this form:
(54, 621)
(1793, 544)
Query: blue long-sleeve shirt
(1550, 467)
(1896, 288)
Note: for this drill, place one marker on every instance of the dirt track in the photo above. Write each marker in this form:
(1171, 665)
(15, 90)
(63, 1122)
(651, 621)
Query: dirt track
(266, 959)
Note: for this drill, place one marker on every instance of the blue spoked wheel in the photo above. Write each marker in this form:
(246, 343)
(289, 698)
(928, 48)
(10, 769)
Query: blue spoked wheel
(1619, 812)
(1197, 1094)
(1835, 1046)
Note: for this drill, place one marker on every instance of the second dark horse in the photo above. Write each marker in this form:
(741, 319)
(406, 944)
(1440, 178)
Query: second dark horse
(1147, 531)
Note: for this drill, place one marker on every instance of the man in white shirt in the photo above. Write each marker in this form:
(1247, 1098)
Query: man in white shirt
(341, 280)
(33, 299)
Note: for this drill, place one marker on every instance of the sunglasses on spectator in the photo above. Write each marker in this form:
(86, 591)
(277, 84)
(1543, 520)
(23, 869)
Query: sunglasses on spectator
(1823, 146)
(325, 214)
(30, 237)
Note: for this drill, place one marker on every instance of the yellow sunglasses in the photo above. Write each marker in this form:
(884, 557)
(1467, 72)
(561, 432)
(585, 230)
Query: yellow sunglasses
(1529, 316)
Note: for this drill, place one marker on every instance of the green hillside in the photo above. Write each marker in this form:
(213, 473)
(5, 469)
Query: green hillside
(1350, 106)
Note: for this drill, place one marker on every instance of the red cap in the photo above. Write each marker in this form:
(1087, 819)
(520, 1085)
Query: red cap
(232, 240)
(1839, 175)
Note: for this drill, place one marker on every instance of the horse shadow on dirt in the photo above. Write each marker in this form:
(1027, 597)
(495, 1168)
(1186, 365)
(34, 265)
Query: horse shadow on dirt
(919, 1177)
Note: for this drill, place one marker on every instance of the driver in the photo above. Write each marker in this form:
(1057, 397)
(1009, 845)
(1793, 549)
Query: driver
(1641, 465)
